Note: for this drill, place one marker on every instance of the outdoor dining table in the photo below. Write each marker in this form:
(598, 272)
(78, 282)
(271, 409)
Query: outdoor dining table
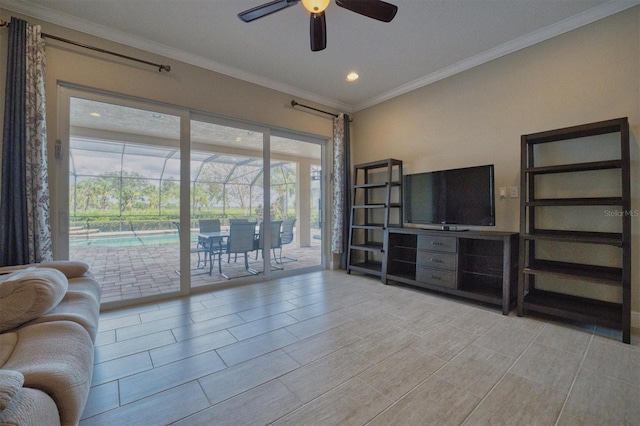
(211, 236)
(222, 235)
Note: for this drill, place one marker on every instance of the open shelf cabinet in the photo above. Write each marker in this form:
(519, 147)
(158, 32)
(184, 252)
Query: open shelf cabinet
(575, 225)
(377, 204)
(475, 265)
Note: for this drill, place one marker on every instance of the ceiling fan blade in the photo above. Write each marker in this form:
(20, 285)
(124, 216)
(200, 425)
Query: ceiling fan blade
(318, 31)
(376, 9)
(265, 9)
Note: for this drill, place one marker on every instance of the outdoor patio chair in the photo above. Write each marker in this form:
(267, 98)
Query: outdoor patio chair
(240, 220)
(274, 235)
(286, 237)
(211, 244)
(240, 240)
(232, 221)
(197, 249)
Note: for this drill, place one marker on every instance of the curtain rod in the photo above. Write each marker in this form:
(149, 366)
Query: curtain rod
(160, 67)
(295, 104)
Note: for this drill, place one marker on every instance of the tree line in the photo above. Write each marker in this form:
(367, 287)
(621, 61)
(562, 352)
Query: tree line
(130, 192)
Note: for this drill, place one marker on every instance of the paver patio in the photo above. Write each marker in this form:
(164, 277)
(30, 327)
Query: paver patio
(132, 272)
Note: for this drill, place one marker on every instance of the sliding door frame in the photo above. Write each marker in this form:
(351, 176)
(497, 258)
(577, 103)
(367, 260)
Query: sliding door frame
(59, 166)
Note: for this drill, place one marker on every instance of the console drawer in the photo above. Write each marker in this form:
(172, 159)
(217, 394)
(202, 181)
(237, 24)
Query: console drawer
(436, 259)
(437, 277)
(437, 243)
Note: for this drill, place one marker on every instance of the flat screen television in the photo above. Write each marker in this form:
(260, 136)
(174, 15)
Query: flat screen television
(450, 198)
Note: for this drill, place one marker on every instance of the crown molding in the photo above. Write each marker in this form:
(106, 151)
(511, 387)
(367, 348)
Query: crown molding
(100, 31)
(587, 17)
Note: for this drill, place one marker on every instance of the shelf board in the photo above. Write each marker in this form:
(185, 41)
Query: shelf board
(378, 164)
(372, 227)
(403, 261)
(483, 293)
(576, 167)
(598, 274)
(591, 129)
(370, 206)
(575, 308)
(490, 274)
(371, 185)
(609, 238)
(373, 247)
(559, 202)
(403, 247)
(372, 268)
(488, 257)
(404, 278)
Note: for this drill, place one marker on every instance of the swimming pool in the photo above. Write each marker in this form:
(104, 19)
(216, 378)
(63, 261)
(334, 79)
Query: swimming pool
(125, 239)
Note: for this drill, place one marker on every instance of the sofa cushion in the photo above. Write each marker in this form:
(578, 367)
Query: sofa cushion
(78, 307)
(29, 293)
(7, 343)
(70, 268)
(10, 384)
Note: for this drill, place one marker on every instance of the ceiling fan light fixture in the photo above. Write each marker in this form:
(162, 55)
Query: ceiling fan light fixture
(315, 6)
(352, 76)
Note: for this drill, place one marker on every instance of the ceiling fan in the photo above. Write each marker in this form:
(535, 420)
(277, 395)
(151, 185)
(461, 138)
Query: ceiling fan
(375, 9)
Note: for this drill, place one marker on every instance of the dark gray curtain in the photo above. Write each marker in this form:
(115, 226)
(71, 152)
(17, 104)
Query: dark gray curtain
(14, 244)
(347, 192)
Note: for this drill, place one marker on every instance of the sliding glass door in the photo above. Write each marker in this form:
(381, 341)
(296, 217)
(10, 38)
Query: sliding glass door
(226, 188)
(296, 200)
(148, 196)
(230, 183)
(122, 195)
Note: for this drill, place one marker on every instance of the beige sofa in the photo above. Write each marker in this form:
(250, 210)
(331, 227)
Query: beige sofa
(48, 325)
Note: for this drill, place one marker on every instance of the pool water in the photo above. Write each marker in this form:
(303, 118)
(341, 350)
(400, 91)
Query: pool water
(126, 240)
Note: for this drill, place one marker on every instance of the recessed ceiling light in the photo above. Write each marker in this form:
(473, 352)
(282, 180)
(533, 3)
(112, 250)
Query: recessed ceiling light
(94, 114)
(155, 115)
(352, 76)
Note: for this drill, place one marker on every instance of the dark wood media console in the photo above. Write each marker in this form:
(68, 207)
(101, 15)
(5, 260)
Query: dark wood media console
(477, 265)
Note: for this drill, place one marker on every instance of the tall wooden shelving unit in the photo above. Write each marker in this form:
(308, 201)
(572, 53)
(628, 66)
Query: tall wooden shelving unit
(377, 205)
(577, 205)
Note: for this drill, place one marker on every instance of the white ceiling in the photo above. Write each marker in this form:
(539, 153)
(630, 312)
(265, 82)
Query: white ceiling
(428, 40)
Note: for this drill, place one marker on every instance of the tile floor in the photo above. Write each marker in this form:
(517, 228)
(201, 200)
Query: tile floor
(330, 348)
